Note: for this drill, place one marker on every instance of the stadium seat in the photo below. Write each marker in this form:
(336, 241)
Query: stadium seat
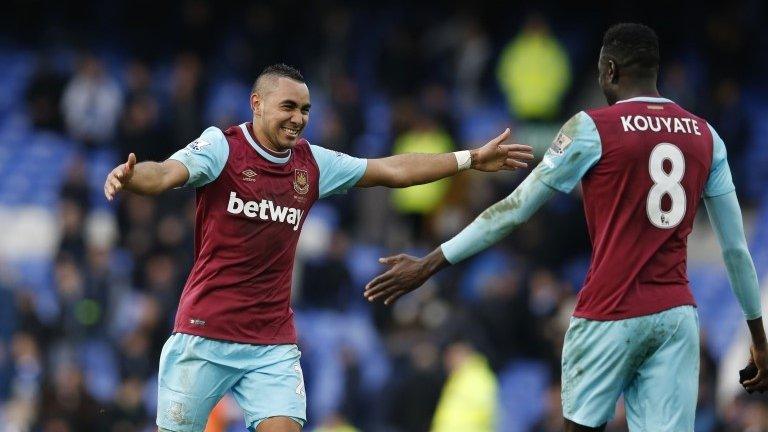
(522, 394)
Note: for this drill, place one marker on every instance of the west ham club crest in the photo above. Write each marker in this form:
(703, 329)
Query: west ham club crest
(301, 181)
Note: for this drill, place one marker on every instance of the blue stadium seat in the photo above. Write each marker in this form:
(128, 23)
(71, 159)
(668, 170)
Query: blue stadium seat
(487, 266)
(363, 262)
(522, 395)
(16, 71)
(33, 273)
(225, 100)
(100, 163)
(483, 123)
(102, 378)
(324, 337)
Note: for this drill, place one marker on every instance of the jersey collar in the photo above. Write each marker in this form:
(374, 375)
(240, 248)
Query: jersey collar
(274, 157)
(646, 99)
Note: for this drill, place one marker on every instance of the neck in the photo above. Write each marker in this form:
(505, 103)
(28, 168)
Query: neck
(262, 139)
(629, 91)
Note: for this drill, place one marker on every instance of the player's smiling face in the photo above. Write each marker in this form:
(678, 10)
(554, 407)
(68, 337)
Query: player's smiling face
(281, 112)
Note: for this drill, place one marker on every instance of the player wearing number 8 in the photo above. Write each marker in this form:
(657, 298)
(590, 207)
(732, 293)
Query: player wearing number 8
(644, 163)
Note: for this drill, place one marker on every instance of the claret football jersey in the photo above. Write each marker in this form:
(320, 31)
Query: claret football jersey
(250, 206)
(644, 165)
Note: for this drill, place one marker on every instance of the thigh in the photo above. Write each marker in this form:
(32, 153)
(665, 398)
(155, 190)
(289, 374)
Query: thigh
(662, 396)
(190, 383)
(279, 424)
(596, 364)
(273, 388)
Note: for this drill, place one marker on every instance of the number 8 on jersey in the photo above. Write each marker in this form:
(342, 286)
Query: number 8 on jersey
(666, 184)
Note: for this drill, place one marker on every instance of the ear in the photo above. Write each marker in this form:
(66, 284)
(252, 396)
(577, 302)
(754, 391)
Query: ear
(256, 105)
(613, 72)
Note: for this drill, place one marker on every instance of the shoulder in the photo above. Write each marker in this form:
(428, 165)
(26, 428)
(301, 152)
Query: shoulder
(322, 153)
(715, 135)
(606, 112)
(211, 138)
(578, 132)
(581, 125)
(718, 145)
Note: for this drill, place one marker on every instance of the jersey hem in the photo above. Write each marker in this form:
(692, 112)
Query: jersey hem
(189, 170)
(584, 422)
(628, 315)
(243, 340)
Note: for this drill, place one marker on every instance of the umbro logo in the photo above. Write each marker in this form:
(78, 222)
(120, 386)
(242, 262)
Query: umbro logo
(197, 322)
(249, 174)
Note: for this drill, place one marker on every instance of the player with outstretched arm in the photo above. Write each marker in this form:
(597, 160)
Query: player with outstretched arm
(644, 163)
(255, 184)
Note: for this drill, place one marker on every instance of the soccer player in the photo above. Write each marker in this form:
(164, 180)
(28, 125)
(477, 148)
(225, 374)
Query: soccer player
(255, 184)
(644, 163)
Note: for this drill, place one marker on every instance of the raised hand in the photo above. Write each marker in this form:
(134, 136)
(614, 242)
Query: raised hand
(119, 177)
(495, 155)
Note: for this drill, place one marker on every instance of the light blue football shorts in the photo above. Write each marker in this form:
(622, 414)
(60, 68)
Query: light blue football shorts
(195, 372)
(653, 360)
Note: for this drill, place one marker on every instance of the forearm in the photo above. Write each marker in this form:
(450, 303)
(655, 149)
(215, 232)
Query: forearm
(725, 216)
(498, 220)
(419, 168)
(434, 262)
(757, 331)
(149, 178)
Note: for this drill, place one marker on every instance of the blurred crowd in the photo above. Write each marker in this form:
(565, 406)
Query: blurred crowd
(478, 348)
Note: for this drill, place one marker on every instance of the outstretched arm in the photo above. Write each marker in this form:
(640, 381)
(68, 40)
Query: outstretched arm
(418, 168)
(573, 152)
(197, 164)
(725, 216)
(145, 178)
(408, 273)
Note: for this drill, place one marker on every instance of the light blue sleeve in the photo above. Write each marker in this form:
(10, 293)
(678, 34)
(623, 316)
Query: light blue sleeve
(725, 216)
(720, 181)
(204, 157)
(338, 171)
(500, 219)
(575, 149)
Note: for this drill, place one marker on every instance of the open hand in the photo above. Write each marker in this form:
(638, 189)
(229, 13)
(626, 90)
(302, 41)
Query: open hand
(406, 273)
(119, 177)
(495, 155)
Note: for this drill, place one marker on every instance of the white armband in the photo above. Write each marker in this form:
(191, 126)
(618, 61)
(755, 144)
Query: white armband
(463, 159)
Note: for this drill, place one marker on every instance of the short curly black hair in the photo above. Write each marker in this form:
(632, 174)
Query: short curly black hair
(279, 70)
(632, 45)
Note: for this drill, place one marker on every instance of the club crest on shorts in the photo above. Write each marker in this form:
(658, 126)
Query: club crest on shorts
(301, 181)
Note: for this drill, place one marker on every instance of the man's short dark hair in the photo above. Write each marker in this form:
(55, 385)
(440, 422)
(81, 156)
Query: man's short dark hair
(279, 70)
(632, 45)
